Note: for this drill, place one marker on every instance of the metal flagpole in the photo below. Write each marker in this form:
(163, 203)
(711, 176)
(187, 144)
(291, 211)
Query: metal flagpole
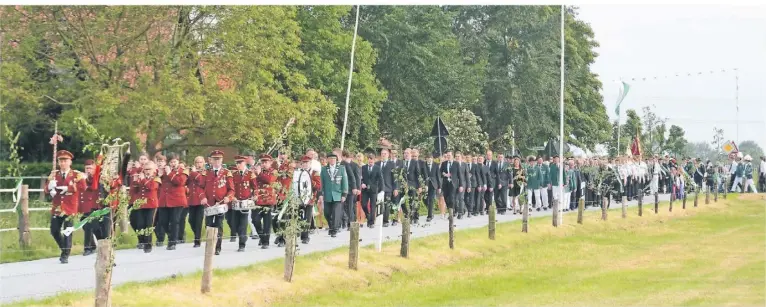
(350, 75)
(561, 123)
(736, 98)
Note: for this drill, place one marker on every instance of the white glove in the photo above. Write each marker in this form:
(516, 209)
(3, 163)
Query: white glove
(53, 193)
(52, 185)
(63, 189)
(68, 231)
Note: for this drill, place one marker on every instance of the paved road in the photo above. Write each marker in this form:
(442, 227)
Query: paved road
(47, 277)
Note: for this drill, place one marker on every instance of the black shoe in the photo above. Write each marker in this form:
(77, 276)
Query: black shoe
(333, 235)
(394, 223)
(217, 251)
(481, 213)
(64, 260)
(281, 244)
(305, 241)
(265, 246)
(171, 247)
(429, 219)
(140, 246)
(241, 249)
(159, 243)
(147, 250)
(460, 216)
(196, 244)
(385, 224)
(183, 240)
(233, 239)
(260, 243)
(87, 252)
(254, 237)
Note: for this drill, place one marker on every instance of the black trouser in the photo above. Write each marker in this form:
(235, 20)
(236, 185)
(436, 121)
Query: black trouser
(501, 198)
(460, 201)
(761, 183)
(196, 216)
(307, 214)
(469, 200)
(731, 181)
(88, 243)
(388, 201)
(239, 223)
(174, 224)
(369, 202)
(161, 224)
(182, 224)
(408, 209)
(102, 227)
(573, 197)
(333, 213)
(488, 198)
(133, 216)
(229, 221)
(59, 223)
(279, 226)
(349, 209)
(217, 222)
(144, 220)
(262, 221)
(430, 198)
(449, 196)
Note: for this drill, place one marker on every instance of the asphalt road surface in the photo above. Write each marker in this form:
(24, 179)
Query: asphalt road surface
(47, 277)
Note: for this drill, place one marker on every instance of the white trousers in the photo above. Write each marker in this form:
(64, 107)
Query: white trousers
(749, 183)
(542, 196)
(654, 185)
(556, 192)
(531, 193)
(735, 186)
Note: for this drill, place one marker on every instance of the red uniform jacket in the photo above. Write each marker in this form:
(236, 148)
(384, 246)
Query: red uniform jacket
(88, 197)
(285, 179)
(174, 184)
(218, 188)
(163, 190)
(316, 185)
(243, 184)
(69, 201)
(196, 188)
(148, 189)
(133, 191)
(266, 196)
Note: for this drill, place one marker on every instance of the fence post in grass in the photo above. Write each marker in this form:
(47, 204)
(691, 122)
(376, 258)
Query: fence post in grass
(624, 206)
(353, 244)
(641, 205)
(451, 228)
(696, 195)
(405, 248)
(492, 221)
(525, 217)
(656, 203)
(604, 200)
(725, 187)
(707, 195)
(207, 268)
(580, 210)
(43, 179)
(104, 273)
(24, 234)
(672, 198)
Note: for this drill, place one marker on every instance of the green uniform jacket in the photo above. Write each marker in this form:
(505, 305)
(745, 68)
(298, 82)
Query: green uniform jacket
(533, 177)
(545, 176)
(553, 174)
(334, 188)
(748, 169)
(740, 170)
(571, 180)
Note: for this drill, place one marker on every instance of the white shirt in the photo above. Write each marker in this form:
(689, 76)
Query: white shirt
(762, 168)
(733, 167)
(642, 169)
(315, 166)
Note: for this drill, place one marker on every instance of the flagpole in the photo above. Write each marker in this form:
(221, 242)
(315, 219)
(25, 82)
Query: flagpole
(561, 122)
(350, 75)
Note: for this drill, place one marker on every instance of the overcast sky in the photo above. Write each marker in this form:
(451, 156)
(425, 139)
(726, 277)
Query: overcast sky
(650, 41)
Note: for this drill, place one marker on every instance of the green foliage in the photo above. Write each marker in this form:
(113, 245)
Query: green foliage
(676, 141)
(465, 133)
(751, 148)
(13, 168)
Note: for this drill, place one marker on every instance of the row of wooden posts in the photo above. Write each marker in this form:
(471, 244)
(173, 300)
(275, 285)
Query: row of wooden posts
(105, 250)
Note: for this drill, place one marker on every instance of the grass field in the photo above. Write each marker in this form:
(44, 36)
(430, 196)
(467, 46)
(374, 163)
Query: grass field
(707, 256)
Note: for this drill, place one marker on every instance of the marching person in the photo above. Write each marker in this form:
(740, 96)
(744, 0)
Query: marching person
(162, 221)
(302, 191)
(133, 192)
(502, 182)
(433, 184)
(657, 172)
(175, 175)
(372, 178)
(544, 181)
(64, 185)
(733, 171)
(451, 180)
(748, 175)
(482, 171)
(88, 203)
(285, 170)
(349, 206)
(196, 186)
(762, 174)
(489, 166)
(738, 172)
(334, 192)
(388, 184)
(266, 199)
(518, 179)
(148, 184)
(553, 183)
(533, 184)
(219, 189)
(473, 185)
(412, 177)
(465, 185)
(244, 181)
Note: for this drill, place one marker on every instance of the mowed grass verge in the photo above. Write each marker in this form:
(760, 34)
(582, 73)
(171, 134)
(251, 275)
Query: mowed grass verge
(707, 256)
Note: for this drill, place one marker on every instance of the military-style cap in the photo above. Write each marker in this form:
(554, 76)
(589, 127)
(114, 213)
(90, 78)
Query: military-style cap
(63, 154)
(216, 153)
(240, 158)
(332, 155)
(265, 157)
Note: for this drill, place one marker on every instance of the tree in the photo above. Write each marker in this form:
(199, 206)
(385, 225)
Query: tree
(676, 141)
(751, 148)
(653, 138)
(465, 132)
(701, 150)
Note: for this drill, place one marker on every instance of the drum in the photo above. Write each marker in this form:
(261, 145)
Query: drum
(216, 209)
(243, 205)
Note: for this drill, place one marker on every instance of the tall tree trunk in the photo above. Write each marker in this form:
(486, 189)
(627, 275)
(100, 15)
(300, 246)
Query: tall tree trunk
(603, 208)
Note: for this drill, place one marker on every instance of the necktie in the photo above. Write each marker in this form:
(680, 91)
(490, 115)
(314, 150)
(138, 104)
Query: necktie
(384, 164)
(215, 172)
(408, 165)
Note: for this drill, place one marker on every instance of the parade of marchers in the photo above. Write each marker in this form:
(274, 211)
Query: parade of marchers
(338, 188)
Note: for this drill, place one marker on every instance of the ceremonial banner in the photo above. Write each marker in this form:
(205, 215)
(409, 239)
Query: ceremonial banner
(635, 148)
(623, 92)
(95, 215)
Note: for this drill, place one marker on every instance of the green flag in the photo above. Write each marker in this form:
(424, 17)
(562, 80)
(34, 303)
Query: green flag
(623, 92)
(93, 216)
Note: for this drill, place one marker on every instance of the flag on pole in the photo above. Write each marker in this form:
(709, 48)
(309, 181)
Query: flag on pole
(635, 148)
(623, 92)
(95, 215)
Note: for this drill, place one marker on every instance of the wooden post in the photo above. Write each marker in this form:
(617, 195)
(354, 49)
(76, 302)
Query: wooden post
(451, 228)
(555, 213)
(525, 217)
(405, 249)
(604, 200)
(624, 206)
(580, 209)
(672, 198)
(353, 247)
(104, 273)
(696, 194)
(715, 194)
(725, 186)
(656, 203)
(289, 255)
(707, 196)
(641, 205)
(43, 179)
(24, 234)
(492, 221)
(683, 201)
(207, 268)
